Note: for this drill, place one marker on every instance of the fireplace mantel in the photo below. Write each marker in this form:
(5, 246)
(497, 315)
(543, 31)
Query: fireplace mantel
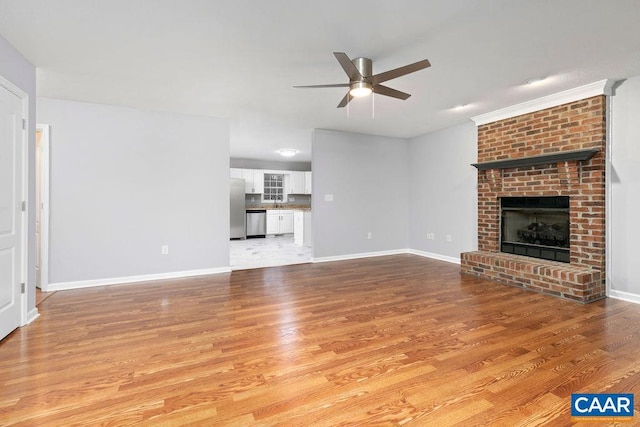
(545, 159)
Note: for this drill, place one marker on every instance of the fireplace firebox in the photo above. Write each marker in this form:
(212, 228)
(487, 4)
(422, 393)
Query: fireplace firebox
(537, 227)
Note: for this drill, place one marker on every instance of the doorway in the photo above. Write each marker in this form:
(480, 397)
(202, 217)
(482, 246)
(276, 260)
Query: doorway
(42, 206)
(283, 198)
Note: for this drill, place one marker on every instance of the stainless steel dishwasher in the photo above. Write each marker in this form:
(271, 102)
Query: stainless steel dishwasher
(256, 223)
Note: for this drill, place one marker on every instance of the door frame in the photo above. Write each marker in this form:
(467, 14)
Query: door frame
(24, 262)
(44, 208)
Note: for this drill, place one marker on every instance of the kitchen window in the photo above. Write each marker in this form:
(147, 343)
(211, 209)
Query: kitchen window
(274, 187)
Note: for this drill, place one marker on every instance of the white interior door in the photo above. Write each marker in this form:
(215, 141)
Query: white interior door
(11, 253)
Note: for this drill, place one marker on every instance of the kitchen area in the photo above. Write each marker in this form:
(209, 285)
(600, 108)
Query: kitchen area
(270, 217)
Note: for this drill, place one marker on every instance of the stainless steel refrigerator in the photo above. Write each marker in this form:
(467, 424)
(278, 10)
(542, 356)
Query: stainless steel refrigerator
(238, 216)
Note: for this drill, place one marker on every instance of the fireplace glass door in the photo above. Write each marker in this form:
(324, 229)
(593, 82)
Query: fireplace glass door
(535, 226)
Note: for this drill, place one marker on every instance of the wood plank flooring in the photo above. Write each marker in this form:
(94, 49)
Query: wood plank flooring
(397, 340)
(41, 296)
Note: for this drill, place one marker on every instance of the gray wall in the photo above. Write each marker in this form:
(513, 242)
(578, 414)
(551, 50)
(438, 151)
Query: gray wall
(125, 181)
(16, 69)
(624, 176)
(443, 191)
(270, 164)
(369, 180)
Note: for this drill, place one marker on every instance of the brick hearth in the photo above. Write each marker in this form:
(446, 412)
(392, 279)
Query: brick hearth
(577, 125)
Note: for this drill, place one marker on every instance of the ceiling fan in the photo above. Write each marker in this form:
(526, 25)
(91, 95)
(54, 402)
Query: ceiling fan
(362, 82)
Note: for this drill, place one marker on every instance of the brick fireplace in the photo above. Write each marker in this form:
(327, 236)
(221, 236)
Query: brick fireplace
(557, 151)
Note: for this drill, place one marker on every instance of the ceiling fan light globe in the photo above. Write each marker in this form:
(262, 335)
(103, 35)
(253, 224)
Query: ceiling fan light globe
(360, 89)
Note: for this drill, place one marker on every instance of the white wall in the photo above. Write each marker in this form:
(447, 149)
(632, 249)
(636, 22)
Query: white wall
(369, 180)
(16, 69)
(443, 191)
(124, 182)
(624, 176)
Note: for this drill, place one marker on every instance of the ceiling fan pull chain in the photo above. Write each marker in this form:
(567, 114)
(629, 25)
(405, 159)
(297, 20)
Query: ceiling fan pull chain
(373, 106)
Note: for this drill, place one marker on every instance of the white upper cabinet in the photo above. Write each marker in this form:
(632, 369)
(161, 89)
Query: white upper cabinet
(307, 183)
(296, 183)
(235, 173)
(258, 180)
(253, 181)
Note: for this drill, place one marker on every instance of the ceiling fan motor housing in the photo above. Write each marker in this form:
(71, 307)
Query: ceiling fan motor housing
(364, 66)
(360, 86)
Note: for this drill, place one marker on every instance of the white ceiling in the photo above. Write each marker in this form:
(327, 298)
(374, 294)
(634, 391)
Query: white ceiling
(240, 58)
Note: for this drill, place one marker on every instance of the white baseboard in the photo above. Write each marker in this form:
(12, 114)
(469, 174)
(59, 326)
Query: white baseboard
(625, 296)
(360, 255)
(61, 286)
(435, 256)
(384, 253)
(134, 279)
(32, 315)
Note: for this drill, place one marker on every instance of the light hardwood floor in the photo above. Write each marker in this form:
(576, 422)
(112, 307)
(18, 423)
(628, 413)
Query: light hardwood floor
(397, 340)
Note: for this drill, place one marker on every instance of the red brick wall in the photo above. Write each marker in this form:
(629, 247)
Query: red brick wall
(577, 125)
(573, 126)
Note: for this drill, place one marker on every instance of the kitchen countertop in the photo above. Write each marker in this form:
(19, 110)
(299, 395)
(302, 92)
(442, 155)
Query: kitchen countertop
(280, 207)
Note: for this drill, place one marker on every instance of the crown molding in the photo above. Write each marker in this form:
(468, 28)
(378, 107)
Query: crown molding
(602, 87)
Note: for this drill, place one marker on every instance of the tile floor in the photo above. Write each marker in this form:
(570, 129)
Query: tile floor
(267, 252)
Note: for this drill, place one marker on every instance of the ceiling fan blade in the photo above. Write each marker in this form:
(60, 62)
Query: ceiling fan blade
(398, 72)
(345, 100)
(348, 66)
(316, 86)
(385, 90)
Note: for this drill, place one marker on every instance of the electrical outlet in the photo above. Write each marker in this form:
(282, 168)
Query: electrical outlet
(369, 236)
(431, 236)
(293, 199)
(449, 238)
(164, 249)
(253, 199)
